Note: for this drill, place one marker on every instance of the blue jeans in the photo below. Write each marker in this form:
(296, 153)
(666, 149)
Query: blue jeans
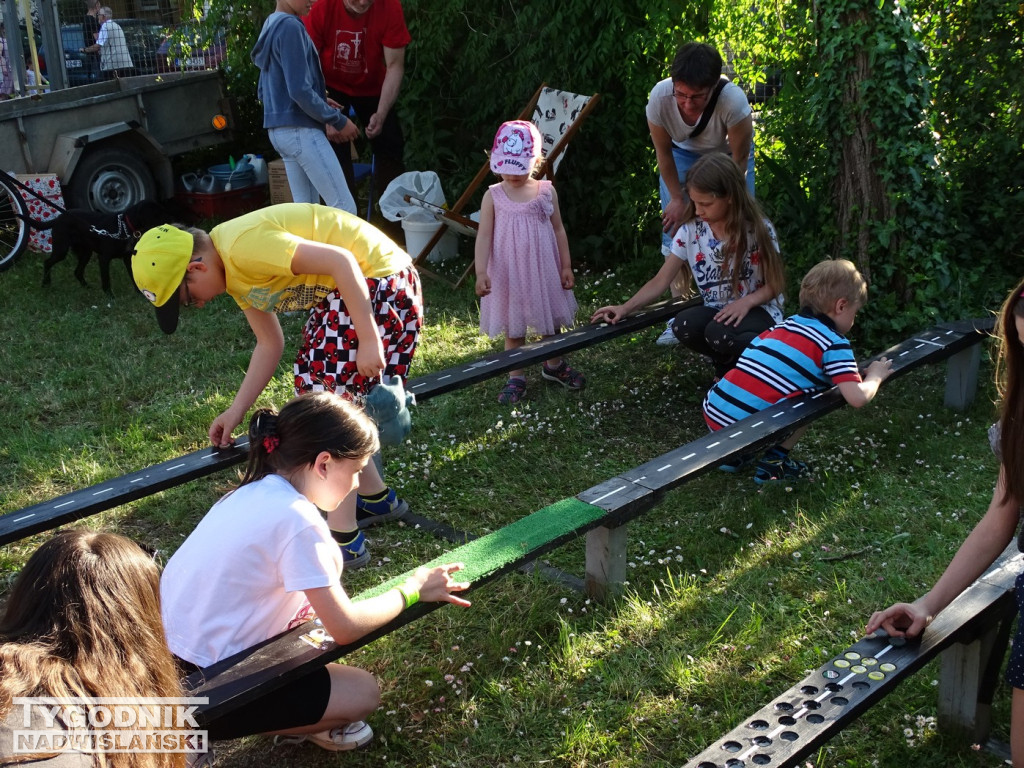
(312, 167)
(684, 158)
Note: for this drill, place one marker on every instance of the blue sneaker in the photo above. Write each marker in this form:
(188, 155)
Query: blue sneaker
(355, 554)
(777, 470)
(737, 463)
(371, 513)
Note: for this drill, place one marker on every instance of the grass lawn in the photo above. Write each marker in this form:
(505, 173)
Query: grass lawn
(734, 591)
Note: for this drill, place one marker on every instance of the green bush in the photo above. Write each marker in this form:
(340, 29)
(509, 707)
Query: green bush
(895, 142)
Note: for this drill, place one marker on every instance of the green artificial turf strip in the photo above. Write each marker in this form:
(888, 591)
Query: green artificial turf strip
(489, 553)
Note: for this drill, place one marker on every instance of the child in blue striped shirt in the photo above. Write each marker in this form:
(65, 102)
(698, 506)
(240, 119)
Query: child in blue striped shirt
(808, 352)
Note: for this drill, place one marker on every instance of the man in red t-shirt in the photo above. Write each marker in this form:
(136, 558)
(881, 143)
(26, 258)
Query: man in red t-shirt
(362, 54)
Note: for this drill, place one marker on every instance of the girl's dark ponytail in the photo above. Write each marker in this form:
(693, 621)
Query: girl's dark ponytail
(263, 441)
(308, 425)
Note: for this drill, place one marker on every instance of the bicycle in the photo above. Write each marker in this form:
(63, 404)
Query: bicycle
(14, 221)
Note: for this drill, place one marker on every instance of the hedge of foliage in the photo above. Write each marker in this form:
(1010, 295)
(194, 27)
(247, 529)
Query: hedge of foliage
(897, 142)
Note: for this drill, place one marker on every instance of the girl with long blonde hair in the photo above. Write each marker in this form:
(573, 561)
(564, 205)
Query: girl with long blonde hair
(729, 248)
(83, 621)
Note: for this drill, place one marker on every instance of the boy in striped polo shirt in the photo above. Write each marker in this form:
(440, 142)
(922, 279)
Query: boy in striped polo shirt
(808, 352)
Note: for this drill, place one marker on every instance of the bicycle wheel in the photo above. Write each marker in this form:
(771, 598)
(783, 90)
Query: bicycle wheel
(13, 223)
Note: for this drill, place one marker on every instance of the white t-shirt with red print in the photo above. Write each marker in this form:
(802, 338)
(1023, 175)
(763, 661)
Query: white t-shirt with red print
(238, 579)
(695, 244)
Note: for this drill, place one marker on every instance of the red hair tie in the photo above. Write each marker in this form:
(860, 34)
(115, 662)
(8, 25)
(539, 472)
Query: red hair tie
(270, 443)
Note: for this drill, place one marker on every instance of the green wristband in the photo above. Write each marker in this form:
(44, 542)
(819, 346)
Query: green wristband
(410, 594)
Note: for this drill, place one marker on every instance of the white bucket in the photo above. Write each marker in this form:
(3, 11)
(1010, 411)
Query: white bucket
(418, 234)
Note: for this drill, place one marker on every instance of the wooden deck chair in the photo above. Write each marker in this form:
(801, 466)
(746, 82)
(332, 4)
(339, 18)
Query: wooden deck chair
(557, 115)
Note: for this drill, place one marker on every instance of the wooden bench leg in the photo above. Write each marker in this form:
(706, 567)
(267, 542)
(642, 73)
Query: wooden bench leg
(962, 377)
(967, 682)
(606, 561)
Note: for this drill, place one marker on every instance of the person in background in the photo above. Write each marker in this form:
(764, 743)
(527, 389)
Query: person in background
(115, 59)
(694, 112)
(362, 52)
(91, 31)
(296, 113)
(30, 79)
(6, 73)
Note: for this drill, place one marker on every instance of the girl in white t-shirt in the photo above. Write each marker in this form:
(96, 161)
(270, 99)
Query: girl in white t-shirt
(263, 560)
(730, 249)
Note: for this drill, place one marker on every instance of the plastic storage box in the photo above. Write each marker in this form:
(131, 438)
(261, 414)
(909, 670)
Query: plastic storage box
(225, 205)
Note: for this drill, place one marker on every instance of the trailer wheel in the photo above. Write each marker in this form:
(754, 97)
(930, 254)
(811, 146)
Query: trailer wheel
(109, 180)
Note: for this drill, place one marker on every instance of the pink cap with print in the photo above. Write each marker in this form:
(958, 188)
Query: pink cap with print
(516, 148)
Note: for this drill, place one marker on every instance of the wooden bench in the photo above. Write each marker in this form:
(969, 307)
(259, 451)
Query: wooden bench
(206, 461)
(601, 513)
(971, 635)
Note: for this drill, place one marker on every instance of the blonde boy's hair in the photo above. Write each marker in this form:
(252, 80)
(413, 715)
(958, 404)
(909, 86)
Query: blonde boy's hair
(831, 280)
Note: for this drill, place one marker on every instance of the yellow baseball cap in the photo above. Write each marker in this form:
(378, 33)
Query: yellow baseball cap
(158, 265)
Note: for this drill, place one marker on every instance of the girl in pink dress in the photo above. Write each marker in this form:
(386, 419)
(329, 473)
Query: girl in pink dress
(523, 271)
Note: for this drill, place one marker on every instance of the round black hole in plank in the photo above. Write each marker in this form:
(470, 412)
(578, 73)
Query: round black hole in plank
(787, 720)
(833, 687)
(758, 725)
(812, 704)
(860, 685)
(762, 741)
(783, 706)
(789, 735)
(760, 759)
(732, 762)
(732, 746)
(840, 701)
(808, 690)
(815, 719)
(706, 764)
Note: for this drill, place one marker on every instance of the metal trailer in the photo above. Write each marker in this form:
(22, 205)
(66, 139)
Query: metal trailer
(111, 143)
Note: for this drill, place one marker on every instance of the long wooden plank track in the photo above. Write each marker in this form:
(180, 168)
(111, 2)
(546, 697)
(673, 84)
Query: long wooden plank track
(255, 672)
(121, 490)
(434, 384)
(802, 719)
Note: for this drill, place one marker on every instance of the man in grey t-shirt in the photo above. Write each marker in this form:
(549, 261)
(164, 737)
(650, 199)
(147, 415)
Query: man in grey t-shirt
(674, 114)
(682, 132)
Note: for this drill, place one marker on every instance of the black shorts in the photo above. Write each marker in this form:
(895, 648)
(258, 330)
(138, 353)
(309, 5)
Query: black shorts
(295, 704)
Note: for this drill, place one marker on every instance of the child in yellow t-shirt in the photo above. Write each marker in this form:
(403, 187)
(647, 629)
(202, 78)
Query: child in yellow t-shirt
(365, 313)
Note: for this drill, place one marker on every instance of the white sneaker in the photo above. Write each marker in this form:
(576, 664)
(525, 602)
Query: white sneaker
(351, 736)
(667, 338)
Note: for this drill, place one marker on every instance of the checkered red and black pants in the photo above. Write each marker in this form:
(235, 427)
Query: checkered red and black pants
(327, 356)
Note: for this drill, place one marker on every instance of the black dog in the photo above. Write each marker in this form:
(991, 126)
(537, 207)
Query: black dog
(111, 236)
